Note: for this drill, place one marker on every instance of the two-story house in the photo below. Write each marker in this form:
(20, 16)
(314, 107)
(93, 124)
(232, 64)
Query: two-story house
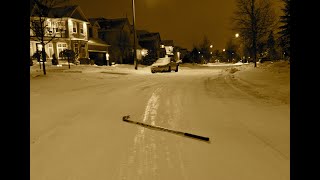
(97, 48)
(119, 34)
(66, 28)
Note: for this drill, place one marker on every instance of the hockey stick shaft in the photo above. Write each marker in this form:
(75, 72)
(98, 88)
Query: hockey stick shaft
(126, 119)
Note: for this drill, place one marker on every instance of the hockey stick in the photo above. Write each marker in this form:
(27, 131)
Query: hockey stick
(126, 119)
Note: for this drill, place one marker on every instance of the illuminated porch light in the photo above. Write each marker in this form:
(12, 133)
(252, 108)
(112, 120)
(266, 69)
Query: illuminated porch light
(107, 56)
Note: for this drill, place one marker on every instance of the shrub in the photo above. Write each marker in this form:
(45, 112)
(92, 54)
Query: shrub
(92, 61)
(54, 60)
(69, 55)
(38, 55)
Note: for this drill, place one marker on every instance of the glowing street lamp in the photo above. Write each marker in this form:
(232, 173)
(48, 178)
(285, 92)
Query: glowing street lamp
(237, 35)
(211, 46)
(223, 50)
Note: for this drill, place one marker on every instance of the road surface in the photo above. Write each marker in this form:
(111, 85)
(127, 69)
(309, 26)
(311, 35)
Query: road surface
(77, 132)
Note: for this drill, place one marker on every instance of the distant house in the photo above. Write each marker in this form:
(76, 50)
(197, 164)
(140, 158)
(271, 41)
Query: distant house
(152, 42)
(68, 25)
(168, 45)
(97, 48)
(119, 34)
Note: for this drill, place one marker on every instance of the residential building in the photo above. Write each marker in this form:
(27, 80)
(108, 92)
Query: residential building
(97, 48)
(152, 42)
(119, 34)
(66, 28)
(168, 45)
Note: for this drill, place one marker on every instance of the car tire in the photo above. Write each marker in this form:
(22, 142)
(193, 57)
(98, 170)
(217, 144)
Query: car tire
(176, 69)
(169, 69)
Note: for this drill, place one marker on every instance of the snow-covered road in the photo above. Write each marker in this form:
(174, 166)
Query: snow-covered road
(77, 132)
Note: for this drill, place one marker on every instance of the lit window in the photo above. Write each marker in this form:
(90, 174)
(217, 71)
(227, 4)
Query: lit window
(74, 27)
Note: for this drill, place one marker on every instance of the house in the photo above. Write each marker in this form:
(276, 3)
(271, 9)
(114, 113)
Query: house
(168, 45)
(97, 48)
(119, 34)
(66, 28)
(152, 42)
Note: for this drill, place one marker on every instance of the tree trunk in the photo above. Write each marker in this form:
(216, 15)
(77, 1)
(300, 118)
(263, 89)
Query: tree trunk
(254, 36)
(44, 59)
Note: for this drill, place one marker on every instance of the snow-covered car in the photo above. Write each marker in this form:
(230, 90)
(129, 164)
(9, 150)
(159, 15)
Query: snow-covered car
(165, 64)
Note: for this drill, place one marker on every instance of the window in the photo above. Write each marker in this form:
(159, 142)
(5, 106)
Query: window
(50, 48)
(61, 47)
(81, 28)
(74, 27)
(61, 25)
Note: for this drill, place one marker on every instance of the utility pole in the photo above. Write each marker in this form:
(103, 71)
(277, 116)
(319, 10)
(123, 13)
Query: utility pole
(254, 33)
(134, 37)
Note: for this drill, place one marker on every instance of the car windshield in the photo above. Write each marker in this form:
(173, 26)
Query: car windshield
(162, 61)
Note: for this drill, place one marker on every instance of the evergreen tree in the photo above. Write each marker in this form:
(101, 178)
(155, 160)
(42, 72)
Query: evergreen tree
(284, 39)
(271, 46)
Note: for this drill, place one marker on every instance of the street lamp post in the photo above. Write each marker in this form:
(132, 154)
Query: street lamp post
(211, 52)
(134, 37)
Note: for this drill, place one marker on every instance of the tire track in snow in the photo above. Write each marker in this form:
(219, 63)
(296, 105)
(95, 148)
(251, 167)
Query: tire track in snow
(139, 162)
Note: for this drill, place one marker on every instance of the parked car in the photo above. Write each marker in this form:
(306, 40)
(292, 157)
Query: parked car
(165, 64)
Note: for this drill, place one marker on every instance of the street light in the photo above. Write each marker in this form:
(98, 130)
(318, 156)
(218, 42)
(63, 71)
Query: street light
(211, 46)
(236, 35)
(223, 50)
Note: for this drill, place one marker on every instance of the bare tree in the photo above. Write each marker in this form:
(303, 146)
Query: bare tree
(39, 14)
(254, 19)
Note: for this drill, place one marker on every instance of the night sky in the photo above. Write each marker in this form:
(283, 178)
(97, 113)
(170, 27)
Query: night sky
(183, 21)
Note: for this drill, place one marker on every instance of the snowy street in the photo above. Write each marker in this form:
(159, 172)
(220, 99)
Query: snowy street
(77, 132)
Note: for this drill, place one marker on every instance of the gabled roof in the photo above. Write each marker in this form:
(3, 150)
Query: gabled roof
(94, 22)
(112, 24)
(68, 11)
(167, 42)
(149, 36)
(73, 11)
(139, 32)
